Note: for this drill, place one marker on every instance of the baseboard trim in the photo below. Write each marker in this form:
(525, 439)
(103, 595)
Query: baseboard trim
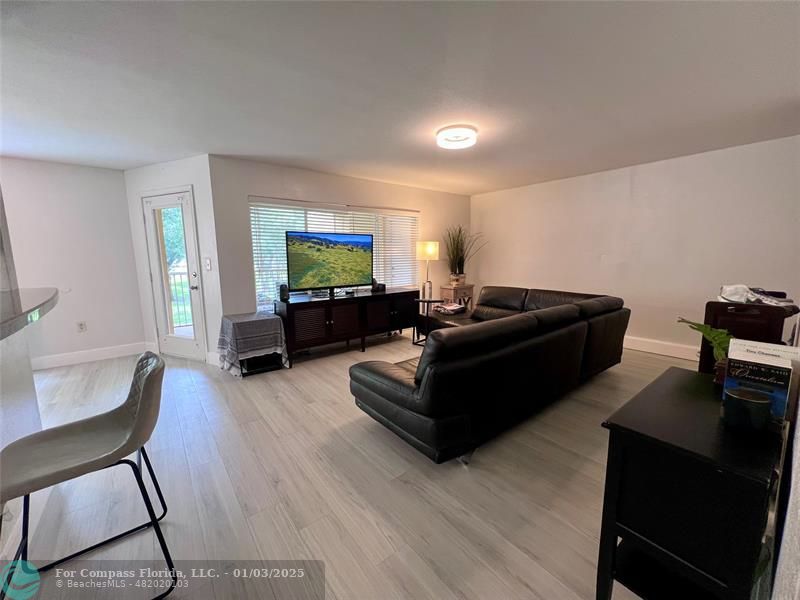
(660, 347)
(51, 361)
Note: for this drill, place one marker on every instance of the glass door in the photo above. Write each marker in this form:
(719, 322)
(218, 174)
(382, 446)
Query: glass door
(175, 274)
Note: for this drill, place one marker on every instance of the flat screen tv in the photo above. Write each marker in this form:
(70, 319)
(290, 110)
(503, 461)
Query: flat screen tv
(319, 261)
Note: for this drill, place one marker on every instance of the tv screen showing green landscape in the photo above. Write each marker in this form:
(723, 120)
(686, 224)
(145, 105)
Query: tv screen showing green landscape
(326, 260)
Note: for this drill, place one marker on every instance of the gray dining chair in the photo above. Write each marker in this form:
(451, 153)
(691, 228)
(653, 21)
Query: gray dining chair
(56, 455)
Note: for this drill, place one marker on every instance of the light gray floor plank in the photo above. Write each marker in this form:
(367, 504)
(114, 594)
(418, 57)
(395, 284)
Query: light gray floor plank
(284, 466)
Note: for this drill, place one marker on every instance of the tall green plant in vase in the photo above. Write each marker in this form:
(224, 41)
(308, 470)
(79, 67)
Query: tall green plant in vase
(461, 246)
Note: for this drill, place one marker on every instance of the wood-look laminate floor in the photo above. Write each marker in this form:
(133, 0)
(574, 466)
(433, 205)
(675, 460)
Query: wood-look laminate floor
(284, 466)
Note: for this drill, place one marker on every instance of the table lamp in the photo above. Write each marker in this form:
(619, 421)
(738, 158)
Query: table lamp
(427, 251)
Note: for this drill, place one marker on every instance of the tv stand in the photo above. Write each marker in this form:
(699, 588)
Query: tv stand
(310, 322)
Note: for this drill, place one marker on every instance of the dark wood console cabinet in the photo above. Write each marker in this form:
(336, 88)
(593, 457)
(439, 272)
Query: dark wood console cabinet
(310, 321)
(757, 322)
(686, 501)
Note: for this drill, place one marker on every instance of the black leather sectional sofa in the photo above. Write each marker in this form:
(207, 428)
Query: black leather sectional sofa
(483, 372)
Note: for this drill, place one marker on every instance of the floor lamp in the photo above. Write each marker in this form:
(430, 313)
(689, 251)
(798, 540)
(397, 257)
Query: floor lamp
(427, 251)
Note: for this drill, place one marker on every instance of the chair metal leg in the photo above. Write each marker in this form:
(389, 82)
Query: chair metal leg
(26, 515)
(156, 527)
(141, 454)
(22, 549)
(10, 577)
(153, 522)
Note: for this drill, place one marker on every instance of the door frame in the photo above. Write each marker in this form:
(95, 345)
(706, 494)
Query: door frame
(149, 195)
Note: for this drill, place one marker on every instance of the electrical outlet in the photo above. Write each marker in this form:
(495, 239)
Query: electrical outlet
(81, 326)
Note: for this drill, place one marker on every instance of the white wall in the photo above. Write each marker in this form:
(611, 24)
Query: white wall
(160, 178)
(233, 180)
(662, 235)
(69, 229)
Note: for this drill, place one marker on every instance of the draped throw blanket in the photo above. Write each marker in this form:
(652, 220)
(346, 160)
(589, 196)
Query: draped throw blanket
(248, 335)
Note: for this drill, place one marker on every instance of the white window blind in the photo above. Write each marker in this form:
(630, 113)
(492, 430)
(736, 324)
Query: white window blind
(393, 250)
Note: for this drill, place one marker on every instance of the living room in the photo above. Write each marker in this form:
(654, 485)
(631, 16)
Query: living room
(611, 168)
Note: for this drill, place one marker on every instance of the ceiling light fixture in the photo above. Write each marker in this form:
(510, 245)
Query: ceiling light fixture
(456, 137)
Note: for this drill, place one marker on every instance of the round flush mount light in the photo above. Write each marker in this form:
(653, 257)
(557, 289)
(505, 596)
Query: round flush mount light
(456, 137)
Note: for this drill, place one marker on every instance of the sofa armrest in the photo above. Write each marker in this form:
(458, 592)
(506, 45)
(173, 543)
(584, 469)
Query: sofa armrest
(392, 382)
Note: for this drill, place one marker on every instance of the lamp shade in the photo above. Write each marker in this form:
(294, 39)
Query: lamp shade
(427, 250)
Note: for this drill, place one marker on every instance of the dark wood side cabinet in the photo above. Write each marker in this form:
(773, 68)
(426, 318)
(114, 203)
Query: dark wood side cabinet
(686, 504)
(310, 322)
(757, 322)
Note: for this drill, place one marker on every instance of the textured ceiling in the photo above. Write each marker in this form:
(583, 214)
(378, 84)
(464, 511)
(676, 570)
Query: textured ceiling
(556, 89)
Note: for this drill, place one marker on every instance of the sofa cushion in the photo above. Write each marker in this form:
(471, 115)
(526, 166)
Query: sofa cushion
(394, 382)
(536, 299)
(484, 312)
(409, 365)
(555, 316)
(510, 298)
(456, 342)
(598, 306)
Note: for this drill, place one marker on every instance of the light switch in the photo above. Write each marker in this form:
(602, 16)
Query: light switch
(207, 262)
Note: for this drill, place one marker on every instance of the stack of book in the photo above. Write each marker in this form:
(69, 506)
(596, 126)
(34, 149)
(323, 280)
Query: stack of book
(762, 374)
(450, 309)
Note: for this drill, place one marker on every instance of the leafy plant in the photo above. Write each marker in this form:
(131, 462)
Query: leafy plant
(174, 243)
(461, 245)
(720, 339)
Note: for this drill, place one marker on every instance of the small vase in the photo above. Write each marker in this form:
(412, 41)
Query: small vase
(746, 410)
(457, 278)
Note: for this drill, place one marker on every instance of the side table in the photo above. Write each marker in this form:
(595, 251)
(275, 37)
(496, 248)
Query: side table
(252, 343)
(458, 293)
(687, 502)
(416, 339)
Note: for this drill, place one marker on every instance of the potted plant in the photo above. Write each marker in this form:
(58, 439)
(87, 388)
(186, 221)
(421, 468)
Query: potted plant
(460, 246)
(720, 340)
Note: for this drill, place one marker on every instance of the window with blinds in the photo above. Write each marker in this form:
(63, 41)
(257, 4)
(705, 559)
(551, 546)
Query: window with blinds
(393, 250)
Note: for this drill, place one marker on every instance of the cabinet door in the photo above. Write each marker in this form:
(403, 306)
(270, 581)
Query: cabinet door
(404, 311)
(378, 315)
(344, 320)
(711, 519)
(310, 325)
